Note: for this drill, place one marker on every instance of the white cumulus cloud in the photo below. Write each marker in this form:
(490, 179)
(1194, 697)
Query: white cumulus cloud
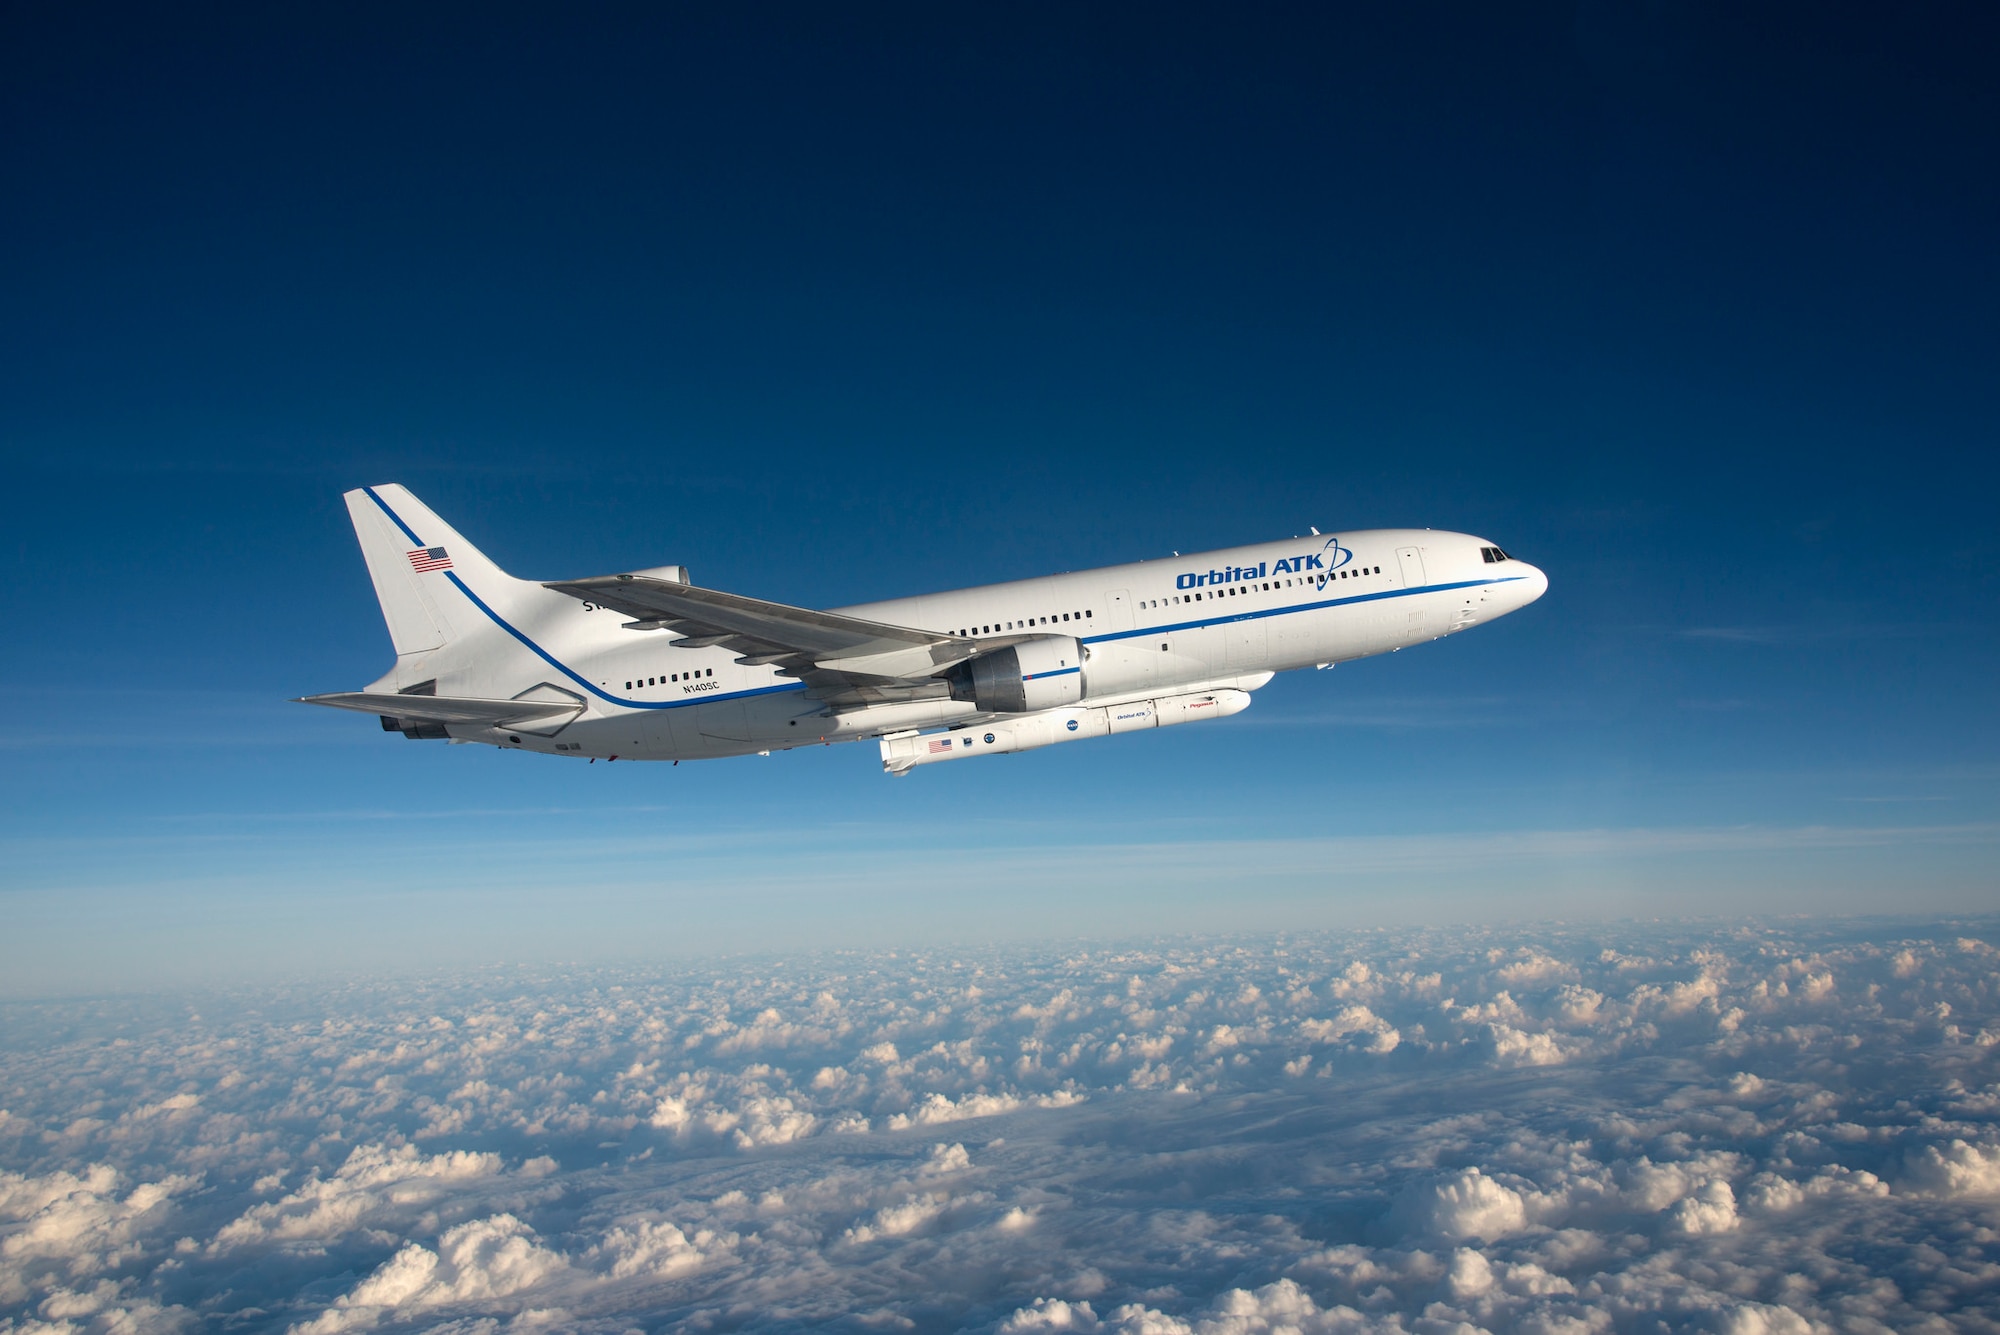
(1742, 1127)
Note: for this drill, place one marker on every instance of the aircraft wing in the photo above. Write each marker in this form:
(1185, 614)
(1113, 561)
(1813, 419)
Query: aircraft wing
(446, 709)
(844, 661)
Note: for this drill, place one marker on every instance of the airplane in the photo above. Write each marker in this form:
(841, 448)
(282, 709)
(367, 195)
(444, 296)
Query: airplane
(648, 665)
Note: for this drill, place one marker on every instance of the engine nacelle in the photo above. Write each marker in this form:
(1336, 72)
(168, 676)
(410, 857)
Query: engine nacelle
(1043, 673)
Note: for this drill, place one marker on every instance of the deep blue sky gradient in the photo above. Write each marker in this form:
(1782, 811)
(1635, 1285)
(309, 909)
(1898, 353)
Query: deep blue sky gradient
(1693, 306)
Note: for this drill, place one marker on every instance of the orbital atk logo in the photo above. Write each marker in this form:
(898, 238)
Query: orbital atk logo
(1332, 556)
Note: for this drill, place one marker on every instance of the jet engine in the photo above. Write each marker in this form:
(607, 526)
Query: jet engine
(1043, 673)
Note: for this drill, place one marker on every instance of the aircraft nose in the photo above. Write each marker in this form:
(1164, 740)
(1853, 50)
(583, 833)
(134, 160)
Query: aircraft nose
(1534, 583)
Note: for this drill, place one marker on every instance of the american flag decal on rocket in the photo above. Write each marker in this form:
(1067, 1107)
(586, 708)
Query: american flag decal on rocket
(429, 558)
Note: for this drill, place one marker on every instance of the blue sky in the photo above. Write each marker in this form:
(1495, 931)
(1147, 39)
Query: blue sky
(1693, 309)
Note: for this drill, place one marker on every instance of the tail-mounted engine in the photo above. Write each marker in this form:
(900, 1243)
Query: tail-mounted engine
(1044, 673)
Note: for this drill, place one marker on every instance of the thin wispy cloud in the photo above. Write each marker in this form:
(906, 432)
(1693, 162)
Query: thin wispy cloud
(1792, 634)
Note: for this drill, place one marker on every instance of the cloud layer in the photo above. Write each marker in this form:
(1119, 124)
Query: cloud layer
(1734, 1129)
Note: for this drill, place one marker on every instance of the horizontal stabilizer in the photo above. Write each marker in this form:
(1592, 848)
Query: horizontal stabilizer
(446, 709)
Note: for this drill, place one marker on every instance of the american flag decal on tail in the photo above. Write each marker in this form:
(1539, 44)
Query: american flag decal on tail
(942, 745)
(429, 558)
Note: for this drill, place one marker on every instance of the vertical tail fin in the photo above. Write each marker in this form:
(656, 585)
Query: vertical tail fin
(427, 577)
(390, 546)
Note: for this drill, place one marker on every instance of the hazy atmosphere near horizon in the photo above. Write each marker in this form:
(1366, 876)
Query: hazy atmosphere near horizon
(1626, 964)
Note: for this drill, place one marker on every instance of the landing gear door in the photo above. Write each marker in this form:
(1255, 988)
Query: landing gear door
(1119, 608)
(1411, 561)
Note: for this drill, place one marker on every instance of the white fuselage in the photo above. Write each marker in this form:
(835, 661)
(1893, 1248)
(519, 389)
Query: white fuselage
(1215, 621)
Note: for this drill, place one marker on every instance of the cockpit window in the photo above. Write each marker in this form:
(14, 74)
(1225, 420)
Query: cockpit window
(1493, 554)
